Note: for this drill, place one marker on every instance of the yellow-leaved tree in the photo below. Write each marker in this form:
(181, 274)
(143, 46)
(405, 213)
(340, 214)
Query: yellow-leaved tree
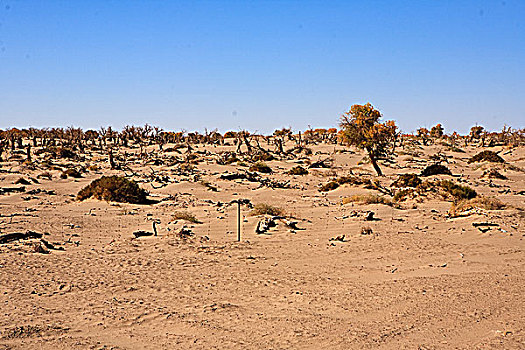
(360, 127)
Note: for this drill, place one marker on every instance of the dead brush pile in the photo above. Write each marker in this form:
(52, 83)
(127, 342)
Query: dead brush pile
(114, 189)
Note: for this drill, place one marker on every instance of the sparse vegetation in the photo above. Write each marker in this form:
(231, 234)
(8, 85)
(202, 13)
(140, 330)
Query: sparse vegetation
(114, 189)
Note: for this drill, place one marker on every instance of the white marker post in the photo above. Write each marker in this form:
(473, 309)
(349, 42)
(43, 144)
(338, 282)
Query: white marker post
(238, 221)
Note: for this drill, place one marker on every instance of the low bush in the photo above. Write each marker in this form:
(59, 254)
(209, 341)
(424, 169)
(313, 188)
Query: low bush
(115, 189)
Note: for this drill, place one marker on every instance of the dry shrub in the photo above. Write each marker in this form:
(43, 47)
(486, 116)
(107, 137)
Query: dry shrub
(436, 169)
(45, 175)
(404, 194)
(366, 230)
(455, 149)
(22, 181)
(459, 192)
(71, 173)
(261, 168)
(487, 203)
(329, 186)
(352, 180)
(209, 186)
(494, 174)
(115, 189)
(267, 209)
(407, 180)
(486, 156)
(368, 199)
(187, 216)
(443, 188)
(297, 170)
(262, 157)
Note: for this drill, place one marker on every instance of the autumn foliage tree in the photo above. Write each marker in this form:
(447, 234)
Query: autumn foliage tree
(437, 131)
(360, 127)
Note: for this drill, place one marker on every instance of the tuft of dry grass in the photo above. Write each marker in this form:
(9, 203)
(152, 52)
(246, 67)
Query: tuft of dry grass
(267, 209)
(186, 216)
(368, 199)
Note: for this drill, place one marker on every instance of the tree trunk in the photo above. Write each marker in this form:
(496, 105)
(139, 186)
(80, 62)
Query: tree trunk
(373, 160)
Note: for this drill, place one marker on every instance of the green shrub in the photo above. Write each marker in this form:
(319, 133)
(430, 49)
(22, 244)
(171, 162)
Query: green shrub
(115, 189)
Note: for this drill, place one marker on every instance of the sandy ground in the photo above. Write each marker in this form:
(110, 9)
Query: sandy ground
(422, 280)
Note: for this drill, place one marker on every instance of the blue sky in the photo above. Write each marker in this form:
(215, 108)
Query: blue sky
(261, 65)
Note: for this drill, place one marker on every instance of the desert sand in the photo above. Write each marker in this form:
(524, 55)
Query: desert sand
(421, 279)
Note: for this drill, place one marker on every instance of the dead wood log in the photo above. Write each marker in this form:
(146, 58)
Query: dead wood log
(15, 236)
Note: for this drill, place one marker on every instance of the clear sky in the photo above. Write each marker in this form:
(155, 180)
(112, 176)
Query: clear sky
(261, 65)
